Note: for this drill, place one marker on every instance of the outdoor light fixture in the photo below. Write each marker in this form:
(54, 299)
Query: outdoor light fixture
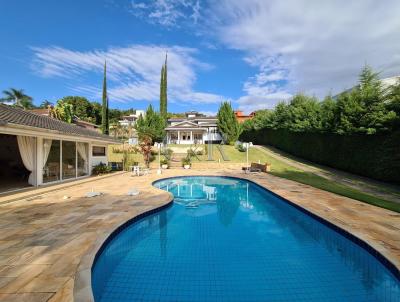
(159, 145)
(247, 146)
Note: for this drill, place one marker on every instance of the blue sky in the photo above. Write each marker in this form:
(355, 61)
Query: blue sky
(253, 53)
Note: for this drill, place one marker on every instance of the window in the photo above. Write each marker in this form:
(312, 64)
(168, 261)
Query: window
(185, 136)
(198, 136)
(99, 151)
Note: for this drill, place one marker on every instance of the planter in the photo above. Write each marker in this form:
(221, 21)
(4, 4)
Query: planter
(164, 166)
(186, 167)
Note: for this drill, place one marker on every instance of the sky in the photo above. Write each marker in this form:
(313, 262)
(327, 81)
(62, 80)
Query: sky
(253, 53)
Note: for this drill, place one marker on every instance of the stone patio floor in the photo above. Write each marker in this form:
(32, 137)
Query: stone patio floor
(48, 241)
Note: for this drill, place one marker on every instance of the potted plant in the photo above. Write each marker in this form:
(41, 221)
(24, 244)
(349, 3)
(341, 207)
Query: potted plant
(186, 162)
(164, 163)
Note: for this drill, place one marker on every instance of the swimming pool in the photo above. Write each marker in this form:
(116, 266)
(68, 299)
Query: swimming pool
(227, 239)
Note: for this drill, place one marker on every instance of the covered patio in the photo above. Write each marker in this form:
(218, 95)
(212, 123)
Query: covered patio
(37, 150)
(185, 136)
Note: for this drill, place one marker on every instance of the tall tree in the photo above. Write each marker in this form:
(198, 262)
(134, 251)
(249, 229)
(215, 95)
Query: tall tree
(151, 126)
(63, 111)
(163, 90)
(18, 97)
(228, 124)
(105, 126)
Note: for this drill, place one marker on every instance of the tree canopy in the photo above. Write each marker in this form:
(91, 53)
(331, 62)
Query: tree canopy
(367, 108)
(18, 98)
(228, 124)
(152, 126)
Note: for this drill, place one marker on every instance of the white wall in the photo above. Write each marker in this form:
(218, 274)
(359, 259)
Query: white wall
(95, 160)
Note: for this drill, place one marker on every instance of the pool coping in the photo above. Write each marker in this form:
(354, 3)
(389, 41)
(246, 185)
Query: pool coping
(82, 284)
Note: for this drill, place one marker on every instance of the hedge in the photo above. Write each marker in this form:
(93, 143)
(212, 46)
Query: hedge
(375, 156)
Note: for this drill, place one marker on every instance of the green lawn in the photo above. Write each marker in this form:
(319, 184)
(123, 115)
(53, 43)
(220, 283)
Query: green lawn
(117, 157)
(281, 169)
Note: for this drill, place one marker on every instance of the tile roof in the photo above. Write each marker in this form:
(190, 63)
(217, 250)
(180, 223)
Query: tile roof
(12, 115)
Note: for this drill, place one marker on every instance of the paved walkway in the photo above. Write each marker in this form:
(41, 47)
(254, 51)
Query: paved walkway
(367, 185)
(48, 241)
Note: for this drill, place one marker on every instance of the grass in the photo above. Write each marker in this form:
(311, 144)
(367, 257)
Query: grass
(117, 157)
(280, 169)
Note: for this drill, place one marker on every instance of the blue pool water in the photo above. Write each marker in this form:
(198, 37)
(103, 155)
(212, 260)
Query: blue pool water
(226, 239)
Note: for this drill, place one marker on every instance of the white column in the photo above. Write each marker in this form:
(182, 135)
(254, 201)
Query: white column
(191, 136)
(179, 137)
(90, 158)
(39, 162)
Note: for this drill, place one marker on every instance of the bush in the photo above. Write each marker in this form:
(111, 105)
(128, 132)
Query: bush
(126, 149)
(167, 153)
(100, 169)
(376, 156)
(186, 161)
(240, 147)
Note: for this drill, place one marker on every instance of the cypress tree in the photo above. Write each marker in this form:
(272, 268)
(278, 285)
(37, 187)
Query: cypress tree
(163, 90)
(104, 110)
(228, 124)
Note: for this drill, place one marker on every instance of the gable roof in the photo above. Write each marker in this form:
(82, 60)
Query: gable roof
(15, 116)
(185, 124)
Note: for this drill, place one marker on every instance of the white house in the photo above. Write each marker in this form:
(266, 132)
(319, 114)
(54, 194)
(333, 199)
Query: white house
(37, 150)
(193, 129)
(130, 120)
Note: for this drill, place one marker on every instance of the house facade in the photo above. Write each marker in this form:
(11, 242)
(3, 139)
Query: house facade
(37, 149)
(130, 120)
(193, 129)
(241, 117)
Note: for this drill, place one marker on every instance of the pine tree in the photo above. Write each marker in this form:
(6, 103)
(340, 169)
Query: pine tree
(163, 90)
(152, 125)
(228, 124)
(104, 112)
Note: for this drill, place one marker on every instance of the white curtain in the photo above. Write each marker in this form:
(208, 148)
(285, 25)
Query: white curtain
(26, 145)
(46, 150)
(83, 152)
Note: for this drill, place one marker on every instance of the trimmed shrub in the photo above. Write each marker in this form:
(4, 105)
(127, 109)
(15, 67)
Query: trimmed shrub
(376, 156)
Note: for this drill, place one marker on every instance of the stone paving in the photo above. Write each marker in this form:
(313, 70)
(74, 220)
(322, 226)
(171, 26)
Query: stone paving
(49, 237)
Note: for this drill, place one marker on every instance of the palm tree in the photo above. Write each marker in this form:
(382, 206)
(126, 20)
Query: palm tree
(116, 129)
(18, 97)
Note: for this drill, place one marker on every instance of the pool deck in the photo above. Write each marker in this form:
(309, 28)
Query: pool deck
(49, 236)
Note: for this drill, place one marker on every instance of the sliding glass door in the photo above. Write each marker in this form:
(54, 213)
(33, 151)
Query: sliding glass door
(68, 159)
(51, 160)
(82, 157)
(64, 160)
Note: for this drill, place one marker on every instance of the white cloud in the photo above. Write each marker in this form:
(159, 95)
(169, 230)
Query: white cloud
(310, 46)
(133, 72)
(209, 113)
(167, 13)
